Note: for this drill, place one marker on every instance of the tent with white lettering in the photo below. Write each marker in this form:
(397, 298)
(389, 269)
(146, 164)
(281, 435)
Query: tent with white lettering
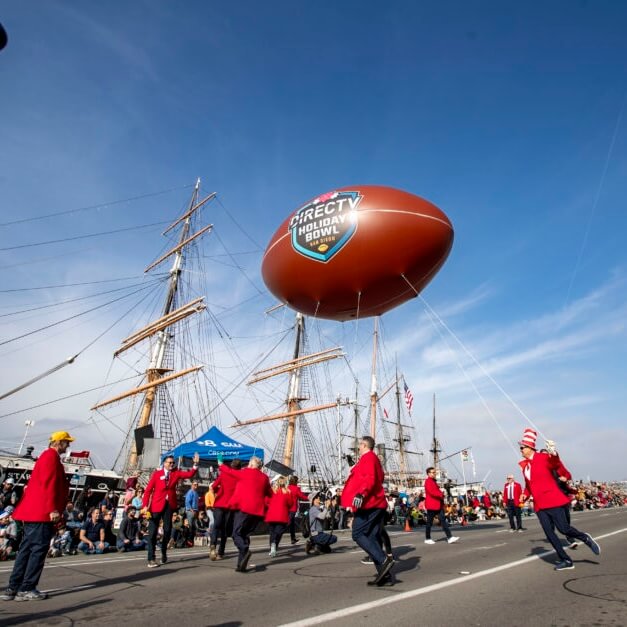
(213, 443)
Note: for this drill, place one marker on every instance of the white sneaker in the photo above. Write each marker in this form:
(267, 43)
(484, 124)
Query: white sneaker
(452, 539)
(429, 541)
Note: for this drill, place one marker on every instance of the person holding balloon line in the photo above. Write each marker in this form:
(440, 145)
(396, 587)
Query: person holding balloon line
(548, 500)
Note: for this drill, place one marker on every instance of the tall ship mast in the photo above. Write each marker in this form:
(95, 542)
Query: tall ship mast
(311, 462)
(161, 334)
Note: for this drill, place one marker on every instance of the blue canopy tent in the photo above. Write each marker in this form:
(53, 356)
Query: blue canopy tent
(214, 443)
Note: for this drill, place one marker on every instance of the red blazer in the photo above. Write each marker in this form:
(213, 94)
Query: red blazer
(365, 478)
(279, 505)
(486, 500)
(517, 492)
(298, 494)
(224, 486)
(542, 484)
(434, 497)
(47, 490)
(251, 490)
(157, 492)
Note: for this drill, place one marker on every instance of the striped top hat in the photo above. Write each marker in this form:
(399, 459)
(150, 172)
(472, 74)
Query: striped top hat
(529, 438)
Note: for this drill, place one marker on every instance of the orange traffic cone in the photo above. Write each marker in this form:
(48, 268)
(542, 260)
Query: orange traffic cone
(407, 527)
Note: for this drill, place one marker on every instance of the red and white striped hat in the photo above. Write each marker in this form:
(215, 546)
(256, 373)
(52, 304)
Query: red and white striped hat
(529, 438)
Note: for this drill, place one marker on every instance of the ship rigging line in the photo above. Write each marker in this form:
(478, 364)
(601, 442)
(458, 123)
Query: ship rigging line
(74, 300)
(99, 206)
(238, 225)
(235, 386)
(88, 235)
(50, 287)
(82, 313)
(235, 263)
(64, 398)
(69, 360)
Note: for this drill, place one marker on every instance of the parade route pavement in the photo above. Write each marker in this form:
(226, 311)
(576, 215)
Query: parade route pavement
(490, 577)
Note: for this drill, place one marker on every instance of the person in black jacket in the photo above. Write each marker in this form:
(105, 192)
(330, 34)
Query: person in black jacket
(129, 533)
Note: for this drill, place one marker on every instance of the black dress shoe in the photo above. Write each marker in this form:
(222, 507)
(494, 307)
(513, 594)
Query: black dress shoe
(388, 580)
(244, 563)
(384, 569)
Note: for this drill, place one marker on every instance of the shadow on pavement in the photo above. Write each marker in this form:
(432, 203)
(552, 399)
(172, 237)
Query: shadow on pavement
(37, 618)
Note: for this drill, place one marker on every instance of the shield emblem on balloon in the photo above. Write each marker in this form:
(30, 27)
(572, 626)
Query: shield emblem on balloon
(324, 225)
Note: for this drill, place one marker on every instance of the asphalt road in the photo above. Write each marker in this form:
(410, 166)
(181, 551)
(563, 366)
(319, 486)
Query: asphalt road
(490, 577)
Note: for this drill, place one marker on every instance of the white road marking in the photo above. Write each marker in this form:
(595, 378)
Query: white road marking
(410, 594)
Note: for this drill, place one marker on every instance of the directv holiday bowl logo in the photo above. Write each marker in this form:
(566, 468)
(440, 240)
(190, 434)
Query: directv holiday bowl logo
(323, 226)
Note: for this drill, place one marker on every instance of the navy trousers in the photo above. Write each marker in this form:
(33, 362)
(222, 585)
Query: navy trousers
(431, 514)
(555, 517)
(367, 526)
(276, 531)
(222, 527)
(243, 525)
(31, 557)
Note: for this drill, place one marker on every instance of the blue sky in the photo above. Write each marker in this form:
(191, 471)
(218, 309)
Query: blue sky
(510, 118)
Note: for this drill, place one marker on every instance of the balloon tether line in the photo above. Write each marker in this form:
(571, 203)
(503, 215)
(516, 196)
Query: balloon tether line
(472, 383)
(476, 361)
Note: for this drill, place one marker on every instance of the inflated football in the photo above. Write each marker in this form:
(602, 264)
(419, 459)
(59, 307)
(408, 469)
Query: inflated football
(356, 251)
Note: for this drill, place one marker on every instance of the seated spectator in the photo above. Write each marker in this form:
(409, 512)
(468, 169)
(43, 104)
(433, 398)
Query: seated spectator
(92, 537)
(202, 525)
(8, 495)
(129, 493)
(186, 538)
(177, 539)
(109, 501)
(71, 517)
(130, 536)
(85, 502)
(136, 501)
(61, 542)
(9, 534)
(110, 536)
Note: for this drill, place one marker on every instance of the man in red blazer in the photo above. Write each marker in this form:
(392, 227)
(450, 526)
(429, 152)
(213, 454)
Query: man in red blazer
(41, 507)
(249, 501)
(548, 499)
(223, 514)
(363, 493)
(434, 504)
(161, 501)
(511, 499)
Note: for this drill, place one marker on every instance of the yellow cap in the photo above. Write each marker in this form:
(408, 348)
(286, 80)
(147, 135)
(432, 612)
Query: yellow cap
(57, 436)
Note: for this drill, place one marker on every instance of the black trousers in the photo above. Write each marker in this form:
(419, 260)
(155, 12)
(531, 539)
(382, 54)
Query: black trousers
(514, 512)
(153, 530)
(292, 526)
(555, 517)
(222, 527)
(31, 556)
(243, 525)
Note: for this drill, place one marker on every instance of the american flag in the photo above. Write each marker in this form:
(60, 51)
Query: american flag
(409, 397)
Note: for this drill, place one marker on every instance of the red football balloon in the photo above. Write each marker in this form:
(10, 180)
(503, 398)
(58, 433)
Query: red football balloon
(352, 252)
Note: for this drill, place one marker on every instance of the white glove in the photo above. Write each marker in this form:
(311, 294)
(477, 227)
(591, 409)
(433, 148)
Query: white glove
(550, 447)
